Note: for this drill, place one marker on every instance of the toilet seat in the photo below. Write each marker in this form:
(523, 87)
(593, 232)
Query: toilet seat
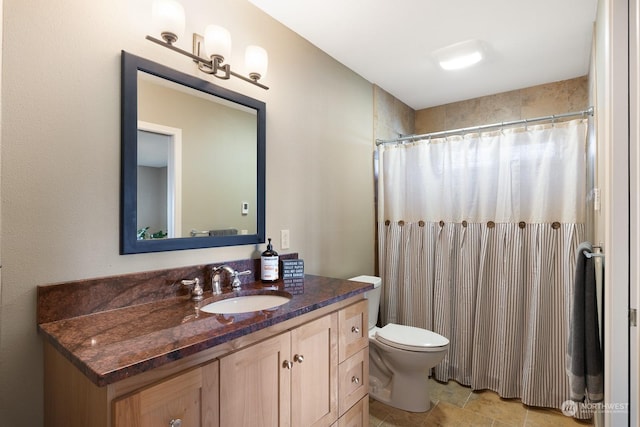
(410, 338)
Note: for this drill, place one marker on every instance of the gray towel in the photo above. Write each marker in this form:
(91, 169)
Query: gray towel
(584, 352)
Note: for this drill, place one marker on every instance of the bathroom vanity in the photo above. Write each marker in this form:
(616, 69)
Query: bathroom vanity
(167, 363)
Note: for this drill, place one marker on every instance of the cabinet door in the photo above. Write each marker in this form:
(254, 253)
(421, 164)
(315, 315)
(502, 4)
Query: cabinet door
(354, 329)
(255, 388)
(314, 375)
(189, 399)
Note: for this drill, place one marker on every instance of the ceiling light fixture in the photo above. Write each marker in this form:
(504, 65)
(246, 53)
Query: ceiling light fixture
(460, 55)
(168, 19)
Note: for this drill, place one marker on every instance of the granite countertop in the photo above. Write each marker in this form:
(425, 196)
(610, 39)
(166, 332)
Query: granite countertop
(112, 345)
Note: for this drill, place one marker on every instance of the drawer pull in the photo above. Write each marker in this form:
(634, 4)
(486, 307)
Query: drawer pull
(175, 423)
(287, 364)
(355, 329)
(355, 380)
(298, 358)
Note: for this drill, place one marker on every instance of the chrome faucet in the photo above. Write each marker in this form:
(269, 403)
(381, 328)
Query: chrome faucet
(235, 283)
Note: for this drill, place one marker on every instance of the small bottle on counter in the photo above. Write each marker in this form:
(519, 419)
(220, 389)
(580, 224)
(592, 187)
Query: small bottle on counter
(269, 264)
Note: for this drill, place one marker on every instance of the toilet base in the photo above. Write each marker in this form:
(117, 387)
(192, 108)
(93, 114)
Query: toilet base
(416, 401)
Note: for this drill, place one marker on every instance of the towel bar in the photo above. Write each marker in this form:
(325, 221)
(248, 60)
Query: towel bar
(592, 255)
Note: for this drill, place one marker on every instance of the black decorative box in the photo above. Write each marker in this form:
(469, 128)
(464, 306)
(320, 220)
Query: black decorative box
(292, 268)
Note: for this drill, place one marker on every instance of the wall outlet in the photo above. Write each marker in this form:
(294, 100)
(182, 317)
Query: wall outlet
(284, 239)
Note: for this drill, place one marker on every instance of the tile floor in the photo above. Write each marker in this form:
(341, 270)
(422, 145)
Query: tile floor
(457, 405)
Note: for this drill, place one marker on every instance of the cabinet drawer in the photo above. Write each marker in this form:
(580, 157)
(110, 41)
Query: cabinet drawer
(191, 397)
(357, 416)
(353, 329)
(353, 379)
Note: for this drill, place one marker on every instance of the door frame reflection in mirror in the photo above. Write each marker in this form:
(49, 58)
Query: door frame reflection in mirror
(172, 184)
(129, 243)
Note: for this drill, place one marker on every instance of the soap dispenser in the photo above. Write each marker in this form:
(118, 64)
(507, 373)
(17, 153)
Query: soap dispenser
(269, 264)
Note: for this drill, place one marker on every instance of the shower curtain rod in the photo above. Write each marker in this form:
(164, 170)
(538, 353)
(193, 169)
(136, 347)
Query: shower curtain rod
(587, 112)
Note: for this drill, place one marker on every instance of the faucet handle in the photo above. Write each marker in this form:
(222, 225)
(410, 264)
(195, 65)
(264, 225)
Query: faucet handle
(236, 281)
(196, 289)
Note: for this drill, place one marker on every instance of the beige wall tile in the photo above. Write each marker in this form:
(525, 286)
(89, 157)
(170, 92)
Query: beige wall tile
(392, 117)
(552, 98)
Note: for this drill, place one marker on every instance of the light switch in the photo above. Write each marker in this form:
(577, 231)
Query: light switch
(245, 208)
(284, 239)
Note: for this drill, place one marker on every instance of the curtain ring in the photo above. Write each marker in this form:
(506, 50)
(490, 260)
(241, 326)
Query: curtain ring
(522, 224)
(387, 222)
(441, 223)
(401, 223)
(491, 224)
(555, 225)
(464, 224)
(420, 223)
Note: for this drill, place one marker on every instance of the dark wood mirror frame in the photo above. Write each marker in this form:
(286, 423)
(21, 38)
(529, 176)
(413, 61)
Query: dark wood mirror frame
(129, 243)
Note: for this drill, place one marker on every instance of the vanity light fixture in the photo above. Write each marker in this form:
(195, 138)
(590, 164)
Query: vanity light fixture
(460, 55)
(168, 17)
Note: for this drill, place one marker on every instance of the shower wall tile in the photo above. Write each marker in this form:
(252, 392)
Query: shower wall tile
(392, 117)
(488, 109)
(555, 98)
(431, 118)
(578, 92)
(542, 100)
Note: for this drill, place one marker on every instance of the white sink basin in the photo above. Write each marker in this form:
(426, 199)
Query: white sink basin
(246, 304)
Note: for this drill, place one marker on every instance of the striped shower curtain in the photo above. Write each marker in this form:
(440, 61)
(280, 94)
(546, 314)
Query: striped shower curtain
(477, 239)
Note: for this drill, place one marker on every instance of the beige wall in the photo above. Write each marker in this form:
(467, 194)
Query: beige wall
(537, 101)
(61, 158)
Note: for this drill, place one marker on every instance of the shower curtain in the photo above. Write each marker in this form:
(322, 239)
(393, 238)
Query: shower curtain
(477, 237)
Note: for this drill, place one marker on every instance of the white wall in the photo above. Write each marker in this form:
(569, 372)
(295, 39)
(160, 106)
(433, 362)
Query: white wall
(60, 153)
(612, 225)
(634, 204)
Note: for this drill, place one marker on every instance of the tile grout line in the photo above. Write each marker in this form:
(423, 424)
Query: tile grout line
(526, 415)
(467, 399)
(431, 410)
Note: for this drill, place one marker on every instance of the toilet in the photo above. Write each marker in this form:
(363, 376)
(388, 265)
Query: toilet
(400, 358)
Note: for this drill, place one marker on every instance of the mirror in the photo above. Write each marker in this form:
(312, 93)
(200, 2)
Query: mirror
(193, 162)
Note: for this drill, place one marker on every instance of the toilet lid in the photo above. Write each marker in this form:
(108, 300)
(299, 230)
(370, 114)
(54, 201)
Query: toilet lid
(410, 338)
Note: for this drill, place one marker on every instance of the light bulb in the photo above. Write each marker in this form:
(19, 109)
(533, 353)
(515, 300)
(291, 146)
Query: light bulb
(168, 19)
(217, 41)
(256, 61)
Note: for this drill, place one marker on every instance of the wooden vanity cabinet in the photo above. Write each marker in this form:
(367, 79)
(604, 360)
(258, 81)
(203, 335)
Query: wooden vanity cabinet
(287, 380)
(315, 375)
(311, 370)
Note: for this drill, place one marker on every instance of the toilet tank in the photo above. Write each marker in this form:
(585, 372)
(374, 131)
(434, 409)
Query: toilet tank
(373, 296)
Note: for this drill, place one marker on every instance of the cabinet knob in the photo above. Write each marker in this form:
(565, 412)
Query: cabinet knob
(355, 380)
(287, 364)
(355, 329)
(298, 358)
(175, 423)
